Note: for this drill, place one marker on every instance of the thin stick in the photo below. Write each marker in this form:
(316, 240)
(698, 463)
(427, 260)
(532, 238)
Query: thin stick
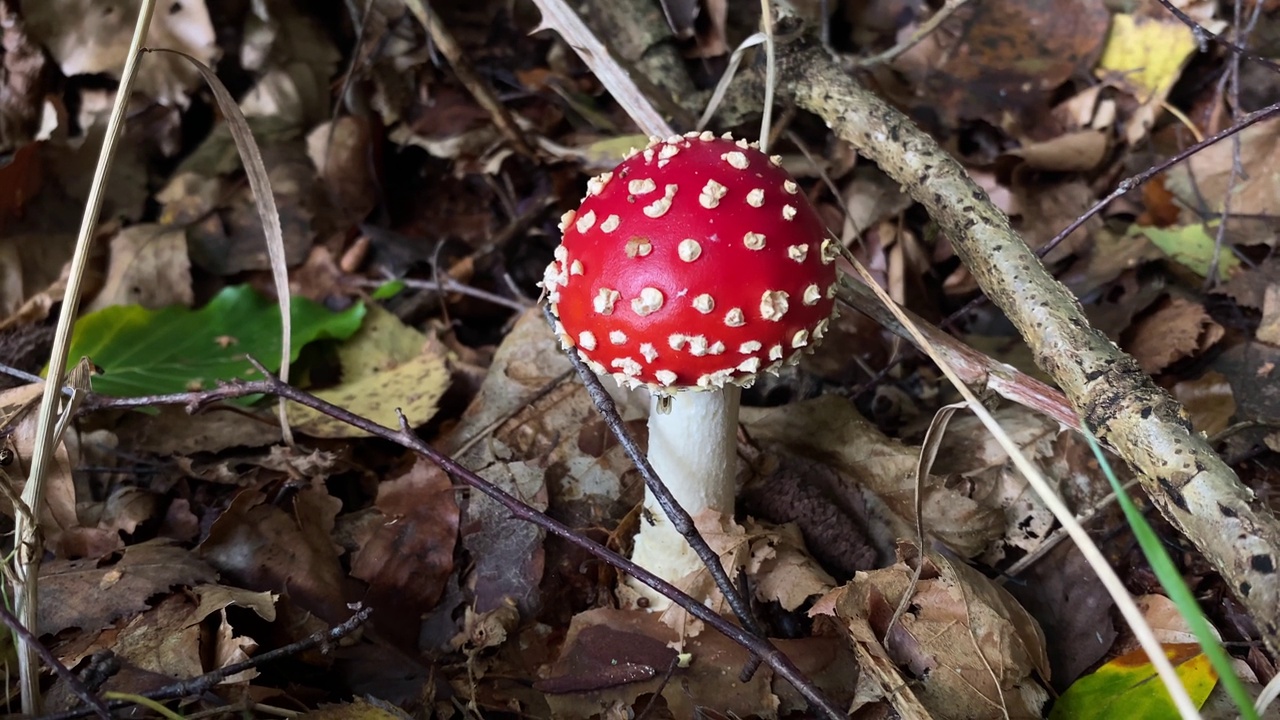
(27, 562)
(480, 90)
(946, 11)
(92, 702)
(201, 683)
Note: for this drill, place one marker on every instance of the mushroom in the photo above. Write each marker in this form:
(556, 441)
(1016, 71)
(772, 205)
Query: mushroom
(692, 267)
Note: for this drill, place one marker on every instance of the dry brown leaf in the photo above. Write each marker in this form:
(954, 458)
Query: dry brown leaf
(409, 555)
(1208, 400)
(1016, 51)
(90, 594)
(972, 649)
(1074, 610)
(341, 153)
(781, 569)
(610, 658)
(1177, 328)
(828, 429)
(969, 451)
(1205, 176)
(148, 267)
(265, 546)
(87, 37)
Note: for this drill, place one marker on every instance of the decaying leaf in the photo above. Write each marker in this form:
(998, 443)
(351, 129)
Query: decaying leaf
(611, 658)
(284, 548)
(386, 366)
(149, 267)
(1178, 328)
(409, 556)
(90, 594)
(966, 642)
(829, 430)
(90, 38)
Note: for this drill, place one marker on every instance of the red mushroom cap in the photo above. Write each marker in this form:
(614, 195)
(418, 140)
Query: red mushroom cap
(694, 263)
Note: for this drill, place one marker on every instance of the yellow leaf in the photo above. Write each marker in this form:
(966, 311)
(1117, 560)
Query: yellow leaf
(1127, 687)
(385, 366)
(1148, 55)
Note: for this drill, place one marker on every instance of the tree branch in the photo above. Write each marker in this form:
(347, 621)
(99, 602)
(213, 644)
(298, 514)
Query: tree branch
(1192, 486)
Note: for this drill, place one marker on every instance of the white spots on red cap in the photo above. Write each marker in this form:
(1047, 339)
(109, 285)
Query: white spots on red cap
(788, 212)
(649, 352)
(711, 194)
(617, 337)
(736, 160)
(670, 150)
(638, 247)
(562, 252)
(750, 365)
(587, 340)
(755, 198)
(666, 377)
(704, 303)
(627, 365)
(648, 155)
(643, 186)
(659, 207)
(706, 136)
(698, 345)
(597, 184)
(798, 252)
(575, 267)
(776, 160)
(749, 347)
(753, 241)
(790, 186)
(735, 318)
(716, 348)
(597, 368)
(773, 305)
(821, 329)
(829, 251)
(775, 352)
(831, 291)
(742, 143)
(649, 302)
(689, 250)
(800, 339)
(567, 219)
(676, 341)
(604, 300)
(610, 224)
(812, 295)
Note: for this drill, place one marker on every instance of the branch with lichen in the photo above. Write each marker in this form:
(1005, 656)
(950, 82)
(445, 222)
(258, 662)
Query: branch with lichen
(1193, 488)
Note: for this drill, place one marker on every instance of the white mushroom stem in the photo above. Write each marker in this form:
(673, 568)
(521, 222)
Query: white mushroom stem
(693, 448)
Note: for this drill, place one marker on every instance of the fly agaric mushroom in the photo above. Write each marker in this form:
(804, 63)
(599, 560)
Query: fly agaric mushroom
(689, 269)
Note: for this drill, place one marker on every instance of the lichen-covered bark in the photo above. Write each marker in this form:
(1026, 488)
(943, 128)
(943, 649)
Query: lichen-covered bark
(1190, 484)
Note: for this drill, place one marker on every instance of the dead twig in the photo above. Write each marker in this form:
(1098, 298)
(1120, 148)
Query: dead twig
(93, 703)
(480, 90)
(948, 9)
(202, 683)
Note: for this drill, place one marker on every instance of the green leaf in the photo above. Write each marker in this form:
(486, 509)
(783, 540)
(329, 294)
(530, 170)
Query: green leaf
(176, 349)
(1192, 246)
(1127, 687)
(388, 290)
